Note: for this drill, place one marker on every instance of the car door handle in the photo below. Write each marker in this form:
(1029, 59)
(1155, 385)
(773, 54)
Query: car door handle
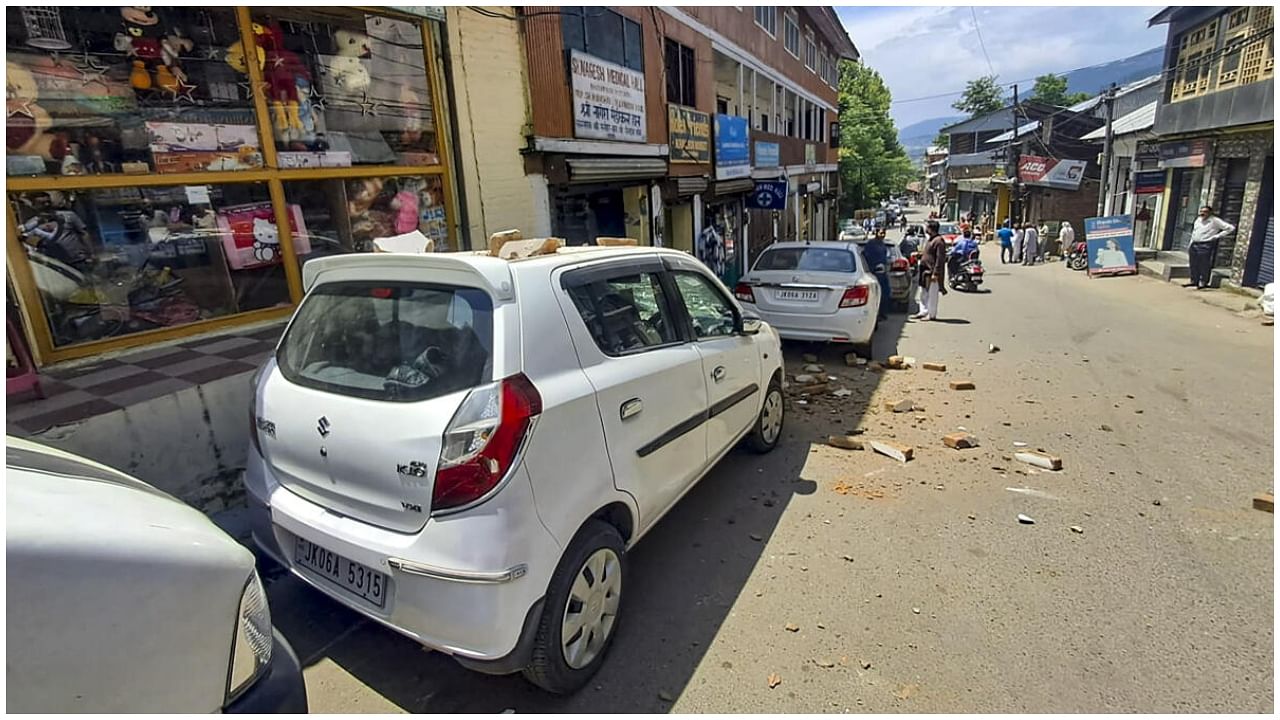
(631, 408)
(718, 373)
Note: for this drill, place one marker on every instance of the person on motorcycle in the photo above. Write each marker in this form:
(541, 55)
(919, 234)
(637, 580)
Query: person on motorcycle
(876, 256)
(964, 246)
(1066, 239)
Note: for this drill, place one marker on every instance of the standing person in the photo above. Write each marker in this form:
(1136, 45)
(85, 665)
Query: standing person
(1205, 233)
(1042, 242)
(876, 255)
(902, 222)
(1030, 244)
(1006, 244)
(933, 268)
(1019, 236)
(1066, 239)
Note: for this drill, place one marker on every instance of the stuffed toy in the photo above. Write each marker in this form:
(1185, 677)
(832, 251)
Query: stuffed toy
(281, 70)
(350, 73)
(140, 42)
(405, 205)
(170, 76)
(28, 124)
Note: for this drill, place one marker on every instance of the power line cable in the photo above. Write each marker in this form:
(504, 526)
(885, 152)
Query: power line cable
(981, 43)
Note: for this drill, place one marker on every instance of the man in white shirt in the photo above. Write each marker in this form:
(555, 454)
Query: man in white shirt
(1030, 244)
(1205, 232)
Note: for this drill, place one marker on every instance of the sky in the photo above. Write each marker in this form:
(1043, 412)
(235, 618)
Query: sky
(923, 51)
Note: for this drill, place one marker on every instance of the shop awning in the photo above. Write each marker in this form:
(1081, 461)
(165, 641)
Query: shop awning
(974, 184)
(609, 169)
(729, 187)
(693, 185)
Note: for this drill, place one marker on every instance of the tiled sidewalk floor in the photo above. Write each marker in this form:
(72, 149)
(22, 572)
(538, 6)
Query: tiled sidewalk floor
(78, 393)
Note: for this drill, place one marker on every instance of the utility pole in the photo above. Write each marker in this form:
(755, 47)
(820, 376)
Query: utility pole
(1015, 203)
(1104, 202)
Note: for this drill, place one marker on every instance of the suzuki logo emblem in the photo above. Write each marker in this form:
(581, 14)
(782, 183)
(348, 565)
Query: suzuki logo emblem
(322, 427)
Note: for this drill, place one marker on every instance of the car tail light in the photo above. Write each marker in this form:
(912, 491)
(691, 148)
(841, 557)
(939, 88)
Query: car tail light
(899, 264)
(482, 440)
(744, 293)
(856, 296)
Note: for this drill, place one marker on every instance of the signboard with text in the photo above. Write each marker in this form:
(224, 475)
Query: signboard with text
(1148, 182)
(688, 134)
(768, 154)
(608, 100)
(1051, 172)
(1110, 242)
(1184, 154)
(733, 158)
(768, 195)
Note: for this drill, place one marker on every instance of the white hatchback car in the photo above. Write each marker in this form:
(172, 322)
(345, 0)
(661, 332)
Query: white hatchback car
(462, 448)
(818, 291)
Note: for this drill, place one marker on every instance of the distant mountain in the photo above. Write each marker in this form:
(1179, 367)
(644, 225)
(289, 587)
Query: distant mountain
(1093, 80)
(916, 137)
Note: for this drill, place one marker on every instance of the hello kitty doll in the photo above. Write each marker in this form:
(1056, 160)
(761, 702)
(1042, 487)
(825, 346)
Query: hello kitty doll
(266, 240)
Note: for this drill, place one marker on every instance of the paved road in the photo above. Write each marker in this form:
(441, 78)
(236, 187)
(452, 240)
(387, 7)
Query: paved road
(915, 583)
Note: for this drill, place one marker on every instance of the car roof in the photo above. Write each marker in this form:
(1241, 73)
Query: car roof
(823, 244)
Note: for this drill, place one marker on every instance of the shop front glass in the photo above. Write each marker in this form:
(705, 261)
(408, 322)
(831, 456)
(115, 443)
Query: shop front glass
(344, 215)
(1188, 186)
(141, 188)
(110, 262)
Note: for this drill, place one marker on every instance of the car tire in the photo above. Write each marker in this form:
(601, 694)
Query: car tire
(549, 668)
(766, 434)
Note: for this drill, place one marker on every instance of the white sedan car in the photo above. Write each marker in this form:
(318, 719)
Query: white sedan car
(122, 599)
(819, 291)
(464, 448)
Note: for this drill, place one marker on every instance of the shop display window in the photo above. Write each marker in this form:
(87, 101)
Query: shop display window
(346, 215)
(345, 88)
(112, 262)
(141, 90)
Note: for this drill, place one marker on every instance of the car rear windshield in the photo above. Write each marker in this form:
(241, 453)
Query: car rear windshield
(808, 258)
(399, 342)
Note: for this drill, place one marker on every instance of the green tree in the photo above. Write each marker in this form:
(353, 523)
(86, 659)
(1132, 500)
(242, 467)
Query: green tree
(873, 164)
(1052, 90)
(941, 139)
(980, 97)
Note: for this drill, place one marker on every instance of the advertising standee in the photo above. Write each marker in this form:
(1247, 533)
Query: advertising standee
(1110, 243)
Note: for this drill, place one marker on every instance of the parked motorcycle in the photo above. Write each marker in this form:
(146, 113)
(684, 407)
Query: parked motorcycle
(1078, 256)
(966, 274)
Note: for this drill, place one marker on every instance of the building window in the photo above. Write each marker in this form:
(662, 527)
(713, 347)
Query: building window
(1246, 54)
(170, 98)
(791, 34)
(767, 18)
(1191, 68)
(810, 53)
(679, 72)
(605, 34)
(354, 83)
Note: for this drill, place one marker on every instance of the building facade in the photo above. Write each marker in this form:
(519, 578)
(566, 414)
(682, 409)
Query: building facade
(1215, 119)
(170, 170)
(664, 124)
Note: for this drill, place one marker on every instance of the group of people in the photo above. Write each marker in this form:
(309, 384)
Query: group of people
(1024, 242)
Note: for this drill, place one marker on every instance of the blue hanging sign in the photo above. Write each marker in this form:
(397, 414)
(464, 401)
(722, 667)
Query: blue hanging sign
(768, 195)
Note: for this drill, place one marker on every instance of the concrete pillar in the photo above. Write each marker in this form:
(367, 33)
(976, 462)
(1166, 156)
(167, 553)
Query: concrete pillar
(697, 221)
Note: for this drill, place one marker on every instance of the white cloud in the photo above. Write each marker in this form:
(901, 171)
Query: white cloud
(924, 51)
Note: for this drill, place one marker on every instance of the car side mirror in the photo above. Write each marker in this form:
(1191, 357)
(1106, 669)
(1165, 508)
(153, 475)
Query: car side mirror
(749, 325)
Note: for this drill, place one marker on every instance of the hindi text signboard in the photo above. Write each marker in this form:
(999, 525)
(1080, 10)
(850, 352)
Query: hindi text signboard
(608, 100)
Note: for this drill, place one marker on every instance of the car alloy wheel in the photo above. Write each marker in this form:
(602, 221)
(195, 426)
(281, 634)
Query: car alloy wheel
(592, 608)
(771, 416)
